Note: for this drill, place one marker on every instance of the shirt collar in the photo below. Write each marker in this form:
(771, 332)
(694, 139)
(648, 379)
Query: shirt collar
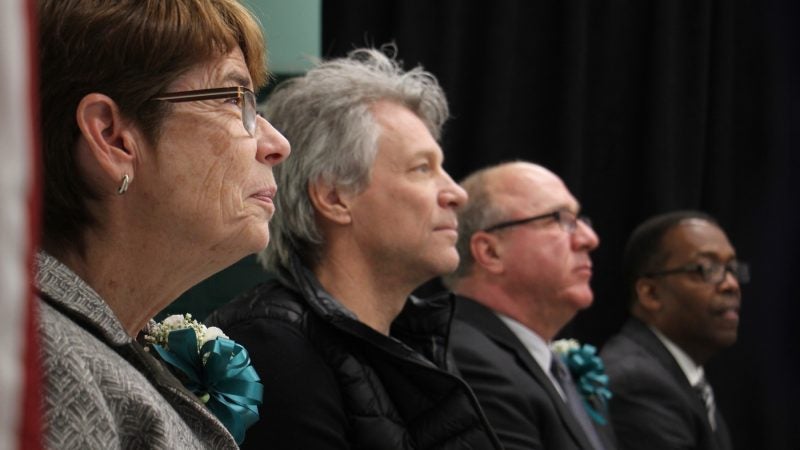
(693, 372)
(534, 343)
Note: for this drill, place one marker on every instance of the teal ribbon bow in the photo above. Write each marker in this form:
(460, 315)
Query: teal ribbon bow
(220, 374)
(588, 371)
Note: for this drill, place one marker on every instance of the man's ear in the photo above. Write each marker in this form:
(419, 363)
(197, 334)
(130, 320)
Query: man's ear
(329, 202)
(486, 251)
(648, 295)
(107, 145)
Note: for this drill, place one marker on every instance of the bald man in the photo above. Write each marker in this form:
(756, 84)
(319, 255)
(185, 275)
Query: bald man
(524, 273)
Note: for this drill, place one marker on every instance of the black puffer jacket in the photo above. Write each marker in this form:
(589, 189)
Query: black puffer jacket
(333, 382)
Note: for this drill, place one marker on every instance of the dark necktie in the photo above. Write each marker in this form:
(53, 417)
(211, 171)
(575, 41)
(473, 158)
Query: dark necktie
(706, 394)
(574, 400)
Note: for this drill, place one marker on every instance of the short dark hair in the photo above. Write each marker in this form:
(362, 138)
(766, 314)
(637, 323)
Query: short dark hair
(129, 50)
(645, 252)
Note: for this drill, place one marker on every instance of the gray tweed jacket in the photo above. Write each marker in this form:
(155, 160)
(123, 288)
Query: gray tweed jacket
(101, 389)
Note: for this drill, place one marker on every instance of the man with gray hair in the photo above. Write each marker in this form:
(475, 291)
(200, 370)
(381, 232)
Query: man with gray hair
(366, 213)
(524, 274)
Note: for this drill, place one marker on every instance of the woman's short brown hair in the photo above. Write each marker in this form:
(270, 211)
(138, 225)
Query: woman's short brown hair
(129, 50)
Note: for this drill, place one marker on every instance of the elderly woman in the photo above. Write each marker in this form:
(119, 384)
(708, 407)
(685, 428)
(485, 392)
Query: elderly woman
(158, 174)
(367, 213)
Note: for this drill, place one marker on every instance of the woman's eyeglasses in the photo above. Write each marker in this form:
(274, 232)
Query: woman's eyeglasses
(246, 97)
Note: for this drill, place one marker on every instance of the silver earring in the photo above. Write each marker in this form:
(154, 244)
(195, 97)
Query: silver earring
(125, 181)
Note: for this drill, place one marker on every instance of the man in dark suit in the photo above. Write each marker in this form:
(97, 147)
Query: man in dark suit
(684, 279)
(524, 273)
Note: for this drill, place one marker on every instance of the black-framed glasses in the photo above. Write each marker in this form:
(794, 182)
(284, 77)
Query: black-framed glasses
(567, 220)
(710, 271)
(246, 101)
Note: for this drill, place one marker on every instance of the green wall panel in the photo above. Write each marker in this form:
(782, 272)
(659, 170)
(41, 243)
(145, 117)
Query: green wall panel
(294, 32)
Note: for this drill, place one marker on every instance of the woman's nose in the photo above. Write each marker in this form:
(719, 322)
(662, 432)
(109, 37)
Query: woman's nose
(273, 148)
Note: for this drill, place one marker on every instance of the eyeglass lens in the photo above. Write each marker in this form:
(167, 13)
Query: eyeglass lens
(714, 272)
(249, 113)
(569, 221)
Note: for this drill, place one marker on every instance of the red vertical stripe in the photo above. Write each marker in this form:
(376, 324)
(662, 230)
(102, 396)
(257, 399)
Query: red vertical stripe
(31, 423)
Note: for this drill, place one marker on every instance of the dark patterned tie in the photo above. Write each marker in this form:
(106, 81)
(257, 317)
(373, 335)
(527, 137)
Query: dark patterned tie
(706, 394)
(574, 401)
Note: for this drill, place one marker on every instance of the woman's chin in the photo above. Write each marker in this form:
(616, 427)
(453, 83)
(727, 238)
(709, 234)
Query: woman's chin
(257, 239)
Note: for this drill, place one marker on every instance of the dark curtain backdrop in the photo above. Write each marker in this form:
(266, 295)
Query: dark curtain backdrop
(641, 107)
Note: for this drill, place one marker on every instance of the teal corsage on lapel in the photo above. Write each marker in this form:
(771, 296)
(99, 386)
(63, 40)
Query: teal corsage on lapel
(213, 367)
(588, 372)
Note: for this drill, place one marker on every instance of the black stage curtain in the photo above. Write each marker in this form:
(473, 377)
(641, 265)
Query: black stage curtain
(641, 107)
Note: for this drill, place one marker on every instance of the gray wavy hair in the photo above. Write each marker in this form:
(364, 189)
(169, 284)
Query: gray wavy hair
(325, 116)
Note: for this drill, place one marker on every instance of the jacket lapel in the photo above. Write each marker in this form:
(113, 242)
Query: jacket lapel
(176, 394)
(642, 335)
(66, 292)
(487, 321)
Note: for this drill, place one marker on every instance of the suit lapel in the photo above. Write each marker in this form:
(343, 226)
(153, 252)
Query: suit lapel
(487, 321)
(642, 335)
(721, 435)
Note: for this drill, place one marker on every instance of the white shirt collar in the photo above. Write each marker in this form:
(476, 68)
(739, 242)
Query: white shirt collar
(536, 346)
(692, 371)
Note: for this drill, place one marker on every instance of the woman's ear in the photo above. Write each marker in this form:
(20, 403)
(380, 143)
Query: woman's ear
(107, 145)
(329, 202)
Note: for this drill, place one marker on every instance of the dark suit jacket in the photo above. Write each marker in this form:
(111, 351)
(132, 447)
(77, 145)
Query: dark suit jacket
(524, 409)
(654, 406)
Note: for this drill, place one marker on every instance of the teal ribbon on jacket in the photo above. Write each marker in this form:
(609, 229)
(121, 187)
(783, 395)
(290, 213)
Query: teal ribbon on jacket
(588, 371)
(227, 383)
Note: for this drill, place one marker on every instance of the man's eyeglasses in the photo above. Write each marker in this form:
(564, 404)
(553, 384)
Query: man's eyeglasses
(246, 101)
(710, 271)
(567, 220)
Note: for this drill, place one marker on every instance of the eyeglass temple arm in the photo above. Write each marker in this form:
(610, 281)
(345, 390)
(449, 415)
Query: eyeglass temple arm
(207, 94)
